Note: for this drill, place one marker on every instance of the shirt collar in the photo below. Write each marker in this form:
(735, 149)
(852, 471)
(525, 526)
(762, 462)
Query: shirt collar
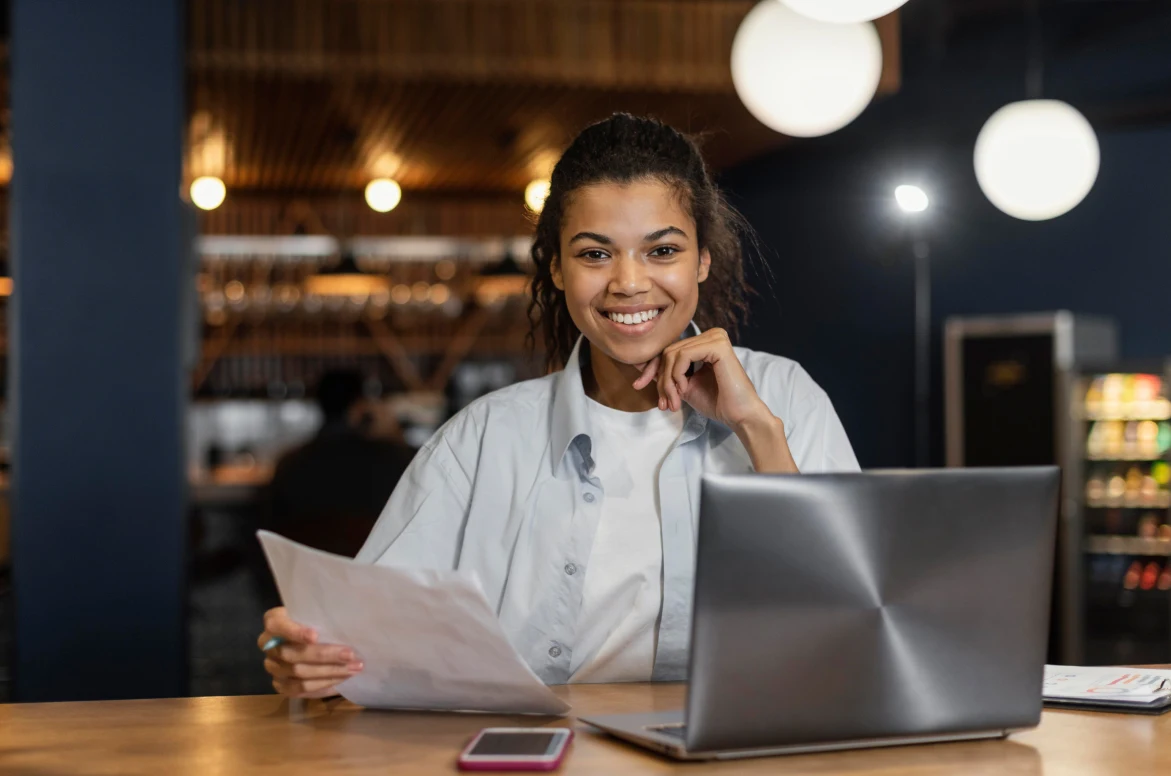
(570, 413)
(571, 418)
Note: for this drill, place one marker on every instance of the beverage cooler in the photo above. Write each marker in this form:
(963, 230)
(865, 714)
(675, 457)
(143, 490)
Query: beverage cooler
(1050, 389)
(1121, 420)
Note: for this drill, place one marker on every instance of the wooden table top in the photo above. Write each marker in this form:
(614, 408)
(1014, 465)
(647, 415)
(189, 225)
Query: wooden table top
(268, 734)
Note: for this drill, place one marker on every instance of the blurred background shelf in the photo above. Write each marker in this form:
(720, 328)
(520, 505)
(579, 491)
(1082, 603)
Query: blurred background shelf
(1121, 432)
(1127, 545)
(1161, 500)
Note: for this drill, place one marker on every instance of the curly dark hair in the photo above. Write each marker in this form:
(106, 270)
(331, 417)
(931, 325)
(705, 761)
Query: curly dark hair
(622, 149)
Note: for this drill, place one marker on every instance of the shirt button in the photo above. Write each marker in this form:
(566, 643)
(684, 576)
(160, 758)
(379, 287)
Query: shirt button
(554, 651)
(570, 569)
(589, 498)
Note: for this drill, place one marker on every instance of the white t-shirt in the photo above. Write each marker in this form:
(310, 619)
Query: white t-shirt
(617, 629)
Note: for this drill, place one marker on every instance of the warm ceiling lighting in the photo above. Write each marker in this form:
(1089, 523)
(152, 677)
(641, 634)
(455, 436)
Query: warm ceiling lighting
(5, 286)
(383, 195)
(208, 192)
(440, 293)
(5, 166)
(536, 193)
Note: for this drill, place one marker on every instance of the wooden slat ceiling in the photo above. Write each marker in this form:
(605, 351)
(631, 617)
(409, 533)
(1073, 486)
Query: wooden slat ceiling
(317, 135)
(460, 97)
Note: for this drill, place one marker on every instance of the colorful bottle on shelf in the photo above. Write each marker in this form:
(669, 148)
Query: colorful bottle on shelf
(1133, 576)
(1148, 526)
(1149, 577)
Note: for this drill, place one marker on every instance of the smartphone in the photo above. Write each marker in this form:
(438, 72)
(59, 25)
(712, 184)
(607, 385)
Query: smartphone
(516, 749)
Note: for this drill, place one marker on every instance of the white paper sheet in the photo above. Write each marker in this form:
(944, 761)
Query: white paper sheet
(428, 639)
(1139, 686)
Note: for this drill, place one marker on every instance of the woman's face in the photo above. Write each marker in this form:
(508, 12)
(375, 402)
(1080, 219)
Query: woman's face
(630, 267)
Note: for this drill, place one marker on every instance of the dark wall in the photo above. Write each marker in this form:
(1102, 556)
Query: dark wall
(98, 397)
(843, 302)
(833, 294)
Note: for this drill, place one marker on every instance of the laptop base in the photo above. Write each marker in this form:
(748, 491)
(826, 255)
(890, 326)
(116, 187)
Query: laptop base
(639, 729)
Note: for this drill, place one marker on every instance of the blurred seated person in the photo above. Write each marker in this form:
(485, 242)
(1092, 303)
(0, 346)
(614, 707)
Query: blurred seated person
(329, 492)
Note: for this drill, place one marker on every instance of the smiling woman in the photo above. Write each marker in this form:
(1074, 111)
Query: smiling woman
(627, 174)
(630, 292)
(574, 497)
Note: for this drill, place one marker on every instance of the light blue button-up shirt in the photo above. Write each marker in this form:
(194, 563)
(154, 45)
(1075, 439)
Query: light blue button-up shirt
(508, 489)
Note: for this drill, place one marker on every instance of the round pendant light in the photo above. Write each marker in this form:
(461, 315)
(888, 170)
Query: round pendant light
(804, 77)
(844, 11)
(1036, 159)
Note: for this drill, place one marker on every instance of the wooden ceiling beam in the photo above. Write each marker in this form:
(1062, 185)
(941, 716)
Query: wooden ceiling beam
(628, 44)
(450, 216)
(658, 45)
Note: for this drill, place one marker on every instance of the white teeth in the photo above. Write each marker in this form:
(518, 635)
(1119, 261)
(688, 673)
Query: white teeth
(633, 318)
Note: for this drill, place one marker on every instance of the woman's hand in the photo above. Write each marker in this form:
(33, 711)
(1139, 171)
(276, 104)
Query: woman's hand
(720, 389)
(300, 667)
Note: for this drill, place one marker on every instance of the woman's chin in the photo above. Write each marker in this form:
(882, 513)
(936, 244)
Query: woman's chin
(637, 357)
(635, 351)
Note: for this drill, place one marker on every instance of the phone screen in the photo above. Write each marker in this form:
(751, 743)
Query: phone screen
(504, 744)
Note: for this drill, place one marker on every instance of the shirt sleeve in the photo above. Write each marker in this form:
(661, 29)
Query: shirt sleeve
(422, 524)
(815, 434)
(819, 442)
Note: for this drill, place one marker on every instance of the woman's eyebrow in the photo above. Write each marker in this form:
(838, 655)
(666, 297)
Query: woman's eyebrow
(603, 239)
(664, 232)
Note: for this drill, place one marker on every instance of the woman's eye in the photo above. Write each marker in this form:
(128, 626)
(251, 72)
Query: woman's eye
(593, 255)
(665, 250)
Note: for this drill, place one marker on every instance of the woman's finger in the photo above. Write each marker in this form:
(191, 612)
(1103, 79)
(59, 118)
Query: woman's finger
(660, 384)
(322, 654)
(306, 671)
(313, 688)
(667, 387)
(680, 365)
(673, 386)
(278, 623)
(649, 373)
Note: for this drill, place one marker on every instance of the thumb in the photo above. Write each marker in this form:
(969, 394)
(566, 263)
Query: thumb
(649, 373)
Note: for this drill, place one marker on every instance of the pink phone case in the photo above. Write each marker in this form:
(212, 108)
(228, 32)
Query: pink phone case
(513, 765)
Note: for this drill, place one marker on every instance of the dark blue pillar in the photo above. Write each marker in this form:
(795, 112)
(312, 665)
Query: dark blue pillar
(98, 395)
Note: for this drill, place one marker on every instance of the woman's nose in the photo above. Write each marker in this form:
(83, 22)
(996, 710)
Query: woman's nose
(630, 276)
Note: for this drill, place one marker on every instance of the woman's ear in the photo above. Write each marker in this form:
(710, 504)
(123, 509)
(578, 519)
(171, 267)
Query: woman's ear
(705, 264)
(555, 271)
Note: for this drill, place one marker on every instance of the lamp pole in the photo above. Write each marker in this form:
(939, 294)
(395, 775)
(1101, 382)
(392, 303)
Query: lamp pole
(922, 252)
(912, 201)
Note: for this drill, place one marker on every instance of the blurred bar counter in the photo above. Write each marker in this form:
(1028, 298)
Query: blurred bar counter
(229, 486)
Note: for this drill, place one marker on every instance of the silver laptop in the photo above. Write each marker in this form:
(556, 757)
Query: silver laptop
(841, 611)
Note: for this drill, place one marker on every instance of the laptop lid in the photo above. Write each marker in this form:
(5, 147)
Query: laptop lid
(831, 607)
